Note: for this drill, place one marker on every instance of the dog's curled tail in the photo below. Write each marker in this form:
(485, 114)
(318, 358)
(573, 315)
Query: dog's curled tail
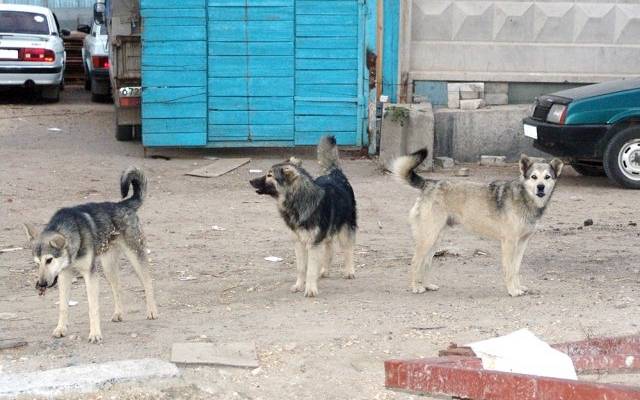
(133, 176)
(328, 153)
(404, 168)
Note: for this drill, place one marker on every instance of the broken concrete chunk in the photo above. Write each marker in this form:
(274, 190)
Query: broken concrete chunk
(444, 162)
(493, 160)
(462, 172)
(241, 355)
(471, 104)
(83, 378)
(453, 99)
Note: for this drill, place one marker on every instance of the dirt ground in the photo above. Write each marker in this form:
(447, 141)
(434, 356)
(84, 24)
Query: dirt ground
(585, 279)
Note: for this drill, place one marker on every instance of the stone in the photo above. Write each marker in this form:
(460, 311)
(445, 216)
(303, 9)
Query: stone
(242, 354)
(493, 160)
(444, 162)
(453, 99)
(401, 136)
(496, 99)
(496, 88)
(471, 95)
(83, 378)
(462, 172)
(471, 104)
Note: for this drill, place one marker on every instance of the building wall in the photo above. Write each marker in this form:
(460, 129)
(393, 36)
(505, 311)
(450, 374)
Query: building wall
(69, 12)
(579, 41)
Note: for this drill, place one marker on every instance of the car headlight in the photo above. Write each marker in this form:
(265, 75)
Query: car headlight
(557, 114)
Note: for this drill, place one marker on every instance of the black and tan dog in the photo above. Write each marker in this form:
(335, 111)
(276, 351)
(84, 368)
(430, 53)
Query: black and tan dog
(316, 210)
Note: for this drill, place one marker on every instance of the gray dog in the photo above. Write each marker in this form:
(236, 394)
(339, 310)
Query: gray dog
(505, 211)
(77, 237)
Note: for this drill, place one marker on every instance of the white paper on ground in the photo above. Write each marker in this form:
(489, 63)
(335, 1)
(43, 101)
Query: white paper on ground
(521, 352)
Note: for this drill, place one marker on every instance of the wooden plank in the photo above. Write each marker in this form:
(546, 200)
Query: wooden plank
(271, 86)
(216, 142)
(227, 66)
(312, 138)
(251, 14)
(162, 33)
(227, 31)
(172, 13)
(271, 132)
(174, 78)
(269, 3)
(226, 3)
(271, 103)
(228, 86)
(183, 22)
(218, 103)
(326, 64)
(167, 62)
(244, 48)
(271, 66)
(327, 31)
(168, 126)
(310, 123)
(228, 117)
(270, 31)
(175, 140)
(327, 76)
(174, 110)
(270, 118)
(197, 94)
(326, 90)
(314, 7)
(148, 4)
(237, 132)
(323, 43)
(320, 20)
(174, 48)
(326, 53)
(328, 108)
(217, 168)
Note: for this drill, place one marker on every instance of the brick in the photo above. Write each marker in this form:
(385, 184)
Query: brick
(471, 104)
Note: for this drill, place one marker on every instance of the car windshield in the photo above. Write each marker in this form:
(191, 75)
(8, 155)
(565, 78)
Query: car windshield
(23, 22)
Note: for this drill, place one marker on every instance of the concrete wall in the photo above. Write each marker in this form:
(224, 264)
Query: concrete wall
(466, 135)
(519, 40)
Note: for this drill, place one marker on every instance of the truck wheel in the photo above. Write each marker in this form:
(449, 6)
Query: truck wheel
(622, 158)
(51, 93)
(588, 169)
(124, 133)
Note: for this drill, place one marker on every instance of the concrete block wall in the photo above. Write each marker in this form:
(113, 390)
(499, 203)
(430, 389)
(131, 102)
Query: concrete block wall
(401, 136)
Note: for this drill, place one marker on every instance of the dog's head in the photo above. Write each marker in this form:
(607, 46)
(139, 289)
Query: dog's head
(50, 253)
(539, 178)
(279, 177)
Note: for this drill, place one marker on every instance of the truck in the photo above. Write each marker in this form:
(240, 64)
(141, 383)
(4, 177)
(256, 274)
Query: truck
(124, 26)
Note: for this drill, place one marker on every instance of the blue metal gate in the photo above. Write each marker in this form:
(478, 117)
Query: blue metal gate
(237, 73)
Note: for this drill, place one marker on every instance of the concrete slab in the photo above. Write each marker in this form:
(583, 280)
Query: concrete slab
(401, 136)
(496, 99)
(83, 378)
(229, 354)
(471, 104)
(493, 160)
(444, 162)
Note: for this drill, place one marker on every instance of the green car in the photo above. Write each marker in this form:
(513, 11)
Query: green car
(595, 127)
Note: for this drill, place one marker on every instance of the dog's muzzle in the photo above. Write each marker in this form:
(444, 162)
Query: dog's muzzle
(262, 187)
(42, 284)
(540, 193)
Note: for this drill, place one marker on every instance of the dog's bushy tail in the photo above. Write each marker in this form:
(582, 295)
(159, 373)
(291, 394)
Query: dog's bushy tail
(404, 168)
(133, 176)
(328, 153)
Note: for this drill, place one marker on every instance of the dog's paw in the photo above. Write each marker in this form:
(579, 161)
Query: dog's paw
(297, 287)
(517, 292)
(418, 289)
(350, 275)
(60, 331)
(117, 317)
(310, 291)
(324, 274)
(95, 338)
(152, 313)
(432, 287)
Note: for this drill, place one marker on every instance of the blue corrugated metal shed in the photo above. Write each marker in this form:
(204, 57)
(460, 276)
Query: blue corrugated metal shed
(235, 73)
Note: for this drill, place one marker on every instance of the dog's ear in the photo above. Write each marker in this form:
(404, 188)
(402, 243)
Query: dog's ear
(30, 230)
(557, 165)
(295, 161)
(525, 164)
(58, 241)
(290, 173)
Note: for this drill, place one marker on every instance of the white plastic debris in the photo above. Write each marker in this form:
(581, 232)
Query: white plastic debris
(187, 278)
(218, 228)
(255, 171)
(9, 250)
(522, 352)
(54, 130)
(71, 303)
(273, 259)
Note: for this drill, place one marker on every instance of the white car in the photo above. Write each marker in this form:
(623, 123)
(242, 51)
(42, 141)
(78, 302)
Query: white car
(31, 49)
(95, 58)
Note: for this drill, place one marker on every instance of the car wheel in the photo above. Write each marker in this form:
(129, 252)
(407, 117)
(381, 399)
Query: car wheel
(51, 93)
(588, 169)
(124, 133)
(622, 158)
